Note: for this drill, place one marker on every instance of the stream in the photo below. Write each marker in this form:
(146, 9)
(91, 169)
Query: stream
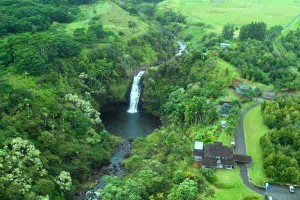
(128, 123)
(182, 48)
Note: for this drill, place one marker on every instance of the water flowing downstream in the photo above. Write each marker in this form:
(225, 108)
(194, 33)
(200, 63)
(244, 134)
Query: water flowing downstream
(182, 49)
(135, 93)
(128, 124)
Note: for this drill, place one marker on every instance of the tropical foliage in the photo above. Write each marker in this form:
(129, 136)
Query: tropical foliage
(281, 145)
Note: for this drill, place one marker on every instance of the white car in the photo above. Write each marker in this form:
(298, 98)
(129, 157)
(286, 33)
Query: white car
(292, 189)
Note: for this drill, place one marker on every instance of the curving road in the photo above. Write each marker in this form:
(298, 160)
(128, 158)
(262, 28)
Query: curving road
(276, 191)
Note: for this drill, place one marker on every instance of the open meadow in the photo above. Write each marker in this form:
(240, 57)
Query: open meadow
(239, 12)
(111, 16)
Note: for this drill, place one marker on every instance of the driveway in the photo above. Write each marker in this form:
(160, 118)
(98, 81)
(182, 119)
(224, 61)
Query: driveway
(276, 191)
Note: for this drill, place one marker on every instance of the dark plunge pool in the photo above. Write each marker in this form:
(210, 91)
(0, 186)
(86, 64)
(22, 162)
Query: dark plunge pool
(129, 125)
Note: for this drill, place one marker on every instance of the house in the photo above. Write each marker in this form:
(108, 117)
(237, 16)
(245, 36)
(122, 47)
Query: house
(218, 156)
(243, 89)
(224, 45)
(225, 109)
(269, 95)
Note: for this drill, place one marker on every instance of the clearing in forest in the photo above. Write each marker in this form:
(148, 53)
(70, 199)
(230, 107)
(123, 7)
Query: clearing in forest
(113, 18)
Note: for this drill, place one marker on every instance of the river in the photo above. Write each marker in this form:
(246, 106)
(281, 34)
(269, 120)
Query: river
(129, 123)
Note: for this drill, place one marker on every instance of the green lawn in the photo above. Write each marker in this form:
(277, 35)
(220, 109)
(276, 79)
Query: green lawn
(254, 129)
(225, 139)
(222, 66)
(197, 33)
(239, 12)
(229, 185)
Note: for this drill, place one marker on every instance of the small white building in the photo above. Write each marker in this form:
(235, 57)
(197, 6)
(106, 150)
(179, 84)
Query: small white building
(224, 45)
(198, 151)
(223, 124)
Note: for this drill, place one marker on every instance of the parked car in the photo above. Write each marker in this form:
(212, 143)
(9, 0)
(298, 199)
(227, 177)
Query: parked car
(268, 197)
(292, 189)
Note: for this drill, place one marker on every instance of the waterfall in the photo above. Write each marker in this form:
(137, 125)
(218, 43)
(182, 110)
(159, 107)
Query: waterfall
(135, 93)
(182, 48)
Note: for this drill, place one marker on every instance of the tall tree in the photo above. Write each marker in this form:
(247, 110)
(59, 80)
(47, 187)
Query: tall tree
(228, 31)
(255, 30)
(187, 190)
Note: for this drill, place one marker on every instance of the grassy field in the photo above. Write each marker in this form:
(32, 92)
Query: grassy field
(254, 129)
(220, 72)
(197, 33)
(111, 16)
(239, 12)
(229, 185)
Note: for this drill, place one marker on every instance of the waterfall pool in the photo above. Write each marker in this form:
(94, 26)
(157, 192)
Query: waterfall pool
(129, 125)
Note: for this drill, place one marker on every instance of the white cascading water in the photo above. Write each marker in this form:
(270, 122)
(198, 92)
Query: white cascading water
(135, 93)
(182, 48)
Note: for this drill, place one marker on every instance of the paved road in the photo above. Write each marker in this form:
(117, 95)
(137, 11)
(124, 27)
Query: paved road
(276, 191)
(240, 146)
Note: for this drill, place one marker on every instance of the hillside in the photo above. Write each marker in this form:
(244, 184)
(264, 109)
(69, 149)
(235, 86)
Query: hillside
(105, 99)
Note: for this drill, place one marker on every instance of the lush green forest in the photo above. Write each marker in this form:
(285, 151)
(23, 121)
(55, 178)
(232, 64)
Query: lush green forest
(257, 59)
(53, 86)
(281, 145)
(291, 42)
(63, 62)
(34, 15)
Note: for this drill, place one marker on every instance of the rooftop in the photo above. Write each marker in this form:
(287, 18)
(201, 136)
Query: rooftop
(198, 145)
(218, 150)
(242, 159)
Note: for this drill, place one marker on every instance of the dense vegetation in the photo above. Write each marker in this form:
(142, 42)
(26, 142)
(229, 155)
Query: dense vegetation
(254, 31)
(259, 61)
(160, 168)
(18, 16)
(48, 124)
(53, 85)
(291, 42)
(281, 145)
(190, 99)
(59, 68)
